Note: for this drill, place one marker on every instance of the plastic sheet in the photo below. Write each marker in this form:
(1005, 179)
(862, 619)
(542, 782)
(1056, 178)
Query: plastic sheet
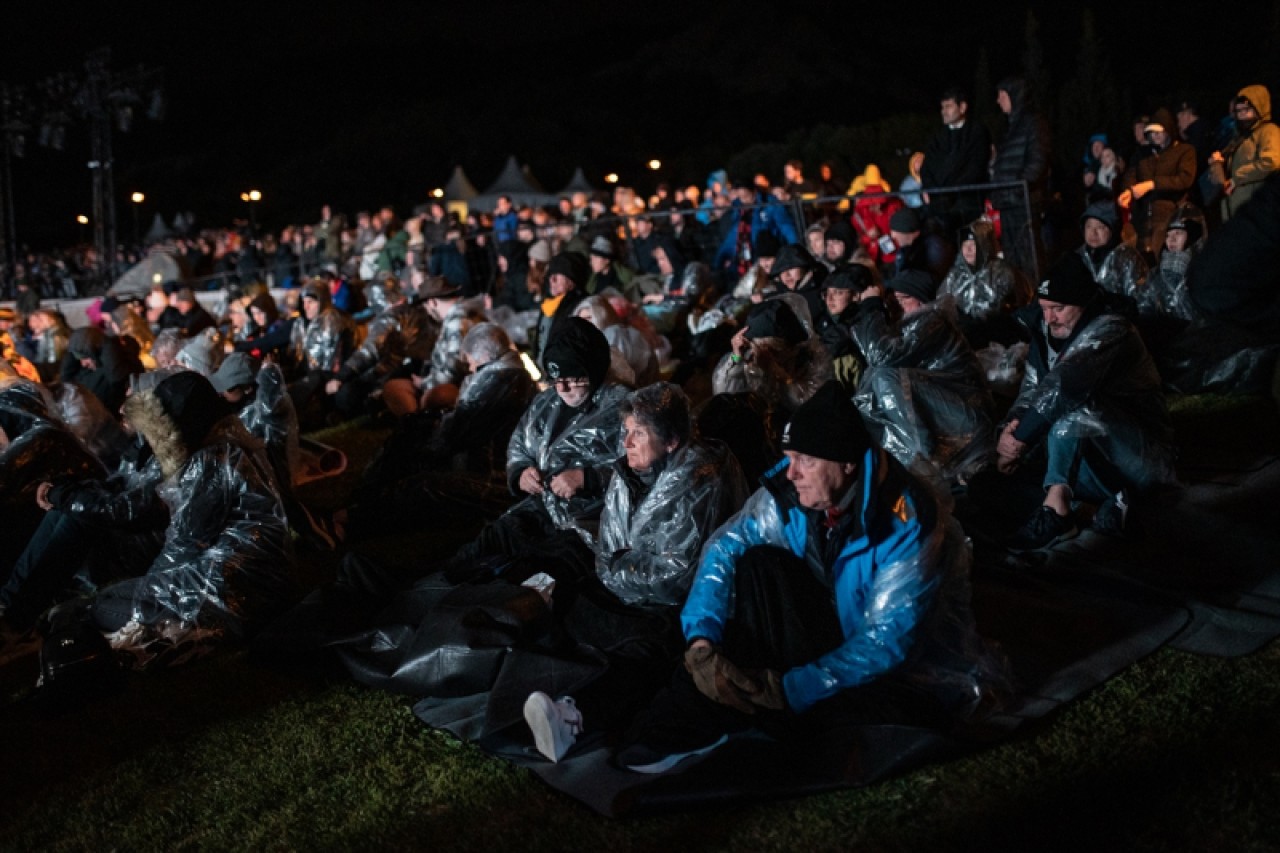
(647, 551)
(923, 393)
(1104, 385)
(447, 367)
(490, 403)
(84, 415)
(783, 376)
(590, 439)
(226, 557)
(903, 600)
(1122, 272)
(1003, 366)
(271, 418)
(322, 343)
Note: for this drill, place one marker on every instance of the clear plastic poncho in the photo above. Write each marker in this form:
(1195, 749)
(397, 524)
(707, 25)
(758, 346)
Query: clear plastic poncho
(1104, 385)
(227, 555)
(401, 332)
(1122, 271)
(923, 392)
(321, 344)
(271, 418)
(647, 550)
(903, 600)
(590, 439)
(986, 288)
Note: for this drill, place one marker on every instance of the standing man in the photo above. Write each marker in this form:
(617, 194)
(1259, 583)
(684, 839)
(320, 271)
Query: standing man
(956, 156)
(1253, 154)
(1157, 183)
(1022, 156)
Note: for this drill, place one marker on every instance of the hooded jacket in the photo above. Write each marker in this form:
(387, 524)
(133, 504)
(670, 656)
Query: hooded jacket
(1257, 152)
(1173, 171)
(1023, 155)
(650, 540)
(227, 553)
(900, 588)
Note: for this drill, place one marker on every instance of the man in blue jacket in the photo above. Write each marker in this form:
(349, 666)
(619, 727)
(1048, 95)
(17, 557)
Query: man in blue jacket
(838, 592)
(752, 214)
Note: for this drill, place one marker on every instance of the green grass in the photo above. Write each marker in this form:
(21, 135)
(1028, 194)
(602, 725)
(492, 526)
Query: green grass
(1179, 752)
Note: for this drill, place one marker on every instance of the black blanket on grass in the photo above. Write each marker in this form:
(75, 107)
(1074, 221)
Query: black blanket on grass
(1203, 576)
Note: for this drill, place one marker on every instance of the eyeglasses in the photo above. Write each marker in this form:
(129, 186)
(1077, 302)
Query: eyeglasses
(570, 384)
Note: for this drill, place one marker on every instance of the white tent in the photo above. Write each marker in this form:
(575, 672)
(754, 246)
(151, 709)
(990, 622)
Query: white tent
(513, 182)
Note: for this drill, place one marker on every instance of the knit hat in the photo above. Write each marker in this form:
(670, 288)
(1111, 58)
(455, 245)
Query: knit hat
(916, 283)
(203, 354)
(318, 290)
(1069, 282)
(773, 318)
(602, 247)
(577, 348)
(239, 369)
(1102, 210)
(1192, 226)
(191, 403)
(842, 231)
(540, 251)
(790, 257)
(904, 221)
(855, 277)
(571, 265)
(767, 245)
(828, 426)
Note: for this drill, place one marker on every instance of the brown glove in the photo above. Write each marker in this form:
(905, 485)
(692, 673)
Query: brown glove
(770, 695)
(719, 680)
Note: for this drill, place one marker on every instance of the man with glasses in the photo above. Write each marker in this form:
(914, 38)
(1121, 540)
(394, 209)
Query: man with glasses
(1253, 154)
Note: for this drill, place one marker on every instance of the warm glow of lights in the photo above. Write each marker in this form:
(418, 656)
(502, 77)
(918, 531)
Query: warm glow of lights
(244, 196)
(254, 195)
(655, 165)
(532, 369)
(437, 193)
(82, 219)
(156, 278)
(611, 178)
(137, 198)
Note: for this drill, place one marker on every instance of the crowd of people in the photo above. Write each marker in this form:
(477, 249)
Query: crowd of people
(601, 383)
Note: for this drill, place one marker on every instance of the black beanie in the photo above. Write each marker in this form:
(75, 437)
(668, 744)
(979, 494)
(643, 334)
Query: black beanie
(767, 245)
(904, 221)
(576, 348)
(828, 426)
(571, 265)
(917, 283)
(1104, 211)
(773, 318)
(1069, 282)
(190, 401)
(854, 277)
(790, 257)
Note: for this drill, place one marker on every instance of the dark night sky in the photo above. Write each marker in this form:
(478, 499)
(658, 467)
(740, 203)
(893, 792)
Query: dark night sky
(365, 104)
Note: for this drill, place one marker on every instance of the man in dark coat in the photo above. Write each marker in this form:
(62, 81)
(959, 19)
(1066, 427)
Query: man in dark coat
(1022, 156)
(956, 156)
(1159, 181)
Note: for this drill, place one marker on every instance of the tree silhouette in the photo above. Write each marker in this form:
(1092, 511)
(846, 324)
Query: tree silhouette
(1037, 75)
(1087, 103)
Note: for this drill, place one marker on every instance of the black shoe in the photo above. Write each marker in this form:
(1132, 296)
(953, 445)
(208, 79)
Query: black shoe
(1111, 516)
(1043, 530)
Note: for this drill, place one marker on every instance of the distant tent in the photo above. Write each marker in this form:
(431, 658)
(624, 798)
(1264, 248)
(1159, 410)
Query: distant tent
(530, 179)
(577, 184)
(459, 187)
(513, 182)
(158, 267)
(158, 231)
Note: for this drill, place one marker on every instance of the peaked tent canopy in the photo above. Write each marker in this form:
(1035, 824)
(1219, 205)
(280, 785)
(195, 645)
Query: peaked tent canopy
(459, 187)
(578, 184)
(512, 182)
(160, 266)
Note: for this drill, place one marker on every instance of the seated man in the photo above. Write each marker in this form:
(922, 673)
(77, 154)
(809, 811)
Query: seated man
(838, 593)
(1091, 398)
(669, 491)
(834, 324)
(560, 452)
(923, 391)
(1115, 266)
(986, 288)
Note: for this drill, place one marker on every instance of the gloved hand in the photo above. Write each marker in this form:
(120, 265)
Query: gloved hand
(717, 678)
(770, 695)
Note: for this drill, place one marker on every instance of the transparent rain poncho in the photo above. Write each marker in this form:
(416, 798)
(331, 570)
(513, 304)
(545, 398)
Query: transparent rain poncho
(647, 551)
(924, 392)
(903, 601)
(986, 288)
(271, 418)
(589, 439)
(84, 415)
(321, 344)
(226, 560)
(1104, 386)
(1123, 272)
(404, 331)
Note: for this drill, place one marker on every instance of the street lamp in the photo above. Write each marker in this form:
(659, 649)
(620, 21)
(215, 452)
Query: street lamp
(251, 198)
(83, 220)
(137, 198)
(611, 178)
(437, 193)
(655, 165)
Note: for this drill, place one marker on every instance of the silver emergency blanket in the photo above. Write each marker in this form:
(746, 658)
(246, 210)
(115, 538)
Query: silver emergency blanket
(226, 559)
(401, 332)
(924, 393)
(1122, 271)
(783, 376)
(987, 287)
(271, 418)
(1104, 386)
(1167, 293)
(647, 551)
(928, 588)
(590, 439)
(84, 415)
(320, 344)
(447, 366)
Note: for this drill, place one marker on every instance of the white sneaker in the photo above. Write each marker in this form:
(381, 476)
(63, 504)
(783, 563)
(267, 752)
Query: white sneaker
(555, 724)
